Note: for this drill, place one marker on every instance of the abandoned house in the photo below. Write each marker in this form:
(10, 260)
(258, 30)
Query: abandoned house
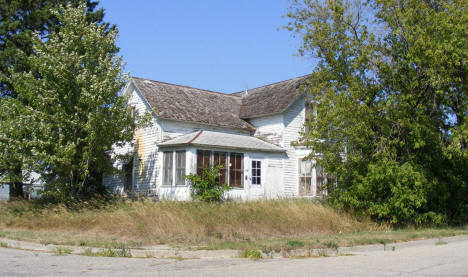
(250, 133)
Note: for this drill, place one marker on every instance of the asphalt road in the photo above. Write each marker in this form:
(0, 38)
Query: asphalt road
(422, 259)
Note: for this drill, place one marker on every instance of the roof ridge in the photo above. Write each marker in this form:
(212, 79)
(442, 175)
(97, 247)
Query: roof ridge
(275, 83)
(199, 89)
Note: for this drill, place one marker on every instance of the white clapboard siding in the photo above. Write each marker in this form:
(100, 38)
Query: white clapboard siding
(269, 128)
(145, 162)
(294, 118)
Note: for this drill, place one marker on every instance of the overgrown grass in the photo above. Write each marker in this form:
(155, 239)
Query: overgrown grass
(183, 222)
(266, 225)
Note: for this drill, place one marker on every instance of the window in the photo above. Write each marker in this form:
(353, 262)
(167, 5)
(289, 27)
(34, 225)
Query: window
(306, 181)
(305, 178)
(256, 173)
(133, 112)
(203, 160)
(232, 172)
(220, 158)
(236, 170)
(180, 168)
(128, 170)
(167, 169)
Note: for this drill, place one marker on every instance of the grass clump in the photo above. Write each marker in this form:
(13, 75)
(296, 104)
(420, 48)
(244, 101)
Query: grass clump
(295, 243)
(109, 252)
(61, 251)
(252, 254)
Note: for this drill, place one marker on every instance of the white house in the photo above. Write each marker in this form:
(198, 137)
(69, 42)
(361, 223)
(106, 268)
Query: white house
(251, 133)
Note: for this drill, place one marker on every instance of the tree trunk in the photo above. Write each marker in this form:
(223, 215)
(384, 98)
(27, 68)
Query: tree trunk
(16, 186)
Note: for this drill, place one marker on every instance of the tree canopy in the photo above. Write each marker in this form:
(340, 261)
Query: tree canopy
(391, 104)
(19, 21)
(68, 111)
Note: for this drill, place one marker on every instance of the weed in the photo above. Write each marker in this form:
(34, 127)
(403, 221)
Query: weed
(88, 252)
(322, 252)
(4, 244)
(124, 251)
(332, 245)
(393, 248)
(294, 243)
(253, 254)
(60, 251)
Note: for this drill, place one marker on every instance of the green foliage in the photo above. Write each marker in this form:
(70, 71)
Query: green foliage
(61, 251)
(391, 104)
(20, 21)
(294, 243)
(67, 110)
(253, 254)
(206, 187)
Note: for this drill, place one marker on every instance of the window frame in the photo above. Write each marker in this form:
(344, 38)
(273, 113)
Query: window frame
(310, 177)
(182, 169)
(236, 170)
(169, 170)
(228, 167)
(256, 167)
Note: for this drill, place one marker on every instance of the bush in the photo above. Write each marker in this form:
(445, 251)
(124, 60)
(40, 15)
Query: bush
(206, 187)
(253, 254)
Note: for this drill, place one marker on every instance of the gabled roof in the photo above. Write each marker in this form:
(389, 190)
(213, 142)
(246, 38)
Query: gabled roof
(223, 141)
(193, 105)
(183, 103)
(270, 99)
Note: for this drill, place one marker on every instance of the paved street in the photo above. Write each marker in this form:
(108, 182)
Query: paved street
(419, 259)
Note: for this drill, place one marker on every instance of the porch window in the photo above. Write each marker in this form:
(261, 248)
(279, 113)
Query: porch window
(203, 160)
(180, 168)
(232, 172)
(305, 178)
(236, 170)
(256, 172)
(220, 158)
(167, 168)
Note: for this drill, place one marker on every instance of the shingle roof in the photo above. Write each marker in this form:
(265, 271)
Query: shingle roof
(185, 103)
(270, 99)
(222, 140)
(194, 105)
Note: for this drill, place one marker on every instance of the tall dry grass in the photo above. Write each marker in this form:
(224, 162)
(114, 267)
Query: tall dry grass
(190, 222)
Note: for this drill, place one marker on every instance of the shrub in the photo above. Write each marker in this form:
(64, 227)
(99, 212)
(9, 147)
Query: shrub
(253, 254)
(206, 187)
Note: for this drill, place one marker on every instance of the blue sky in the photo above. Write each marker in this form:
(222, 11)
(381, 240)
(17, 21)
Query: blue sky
(218, 45)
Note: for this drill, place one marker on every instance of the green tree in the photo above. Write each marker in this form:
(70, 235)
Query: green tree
(391, 95)
(70, 105)
(19, 21)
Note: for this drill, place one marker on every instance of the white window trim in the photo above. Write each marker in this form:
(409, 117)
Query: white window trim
(261, 172)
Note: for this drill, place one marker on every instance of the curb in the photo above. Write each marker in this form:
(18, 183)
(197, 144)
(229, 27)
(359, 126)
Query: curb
(161, 252)
(167, 252)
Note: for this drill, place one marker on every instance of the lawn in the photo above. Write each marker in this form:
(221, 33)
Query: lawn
(266, 225)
